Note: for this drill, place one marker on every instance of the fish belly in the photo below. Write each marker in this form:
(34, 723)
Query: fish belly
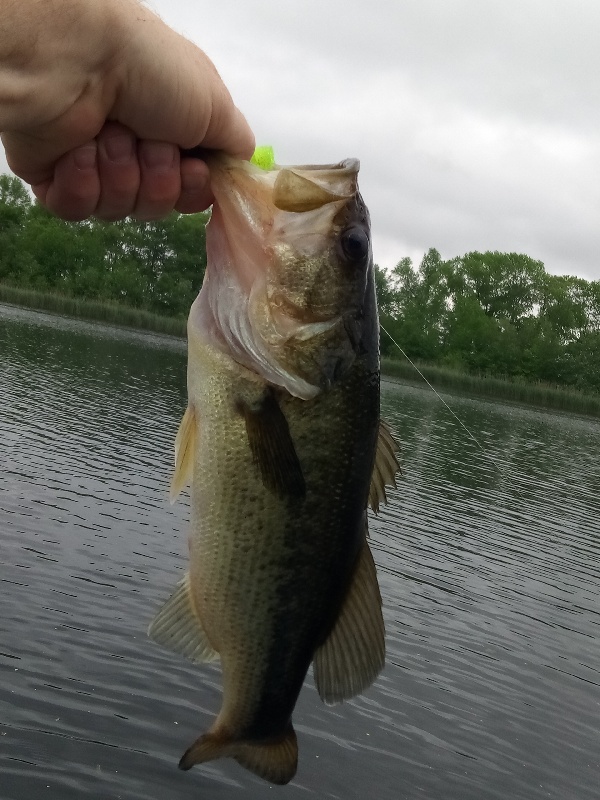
(269, 571)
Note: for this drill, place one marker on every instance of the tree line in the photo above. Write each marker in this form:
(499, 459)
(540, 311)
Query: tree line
(155, 266)
(496, 314)
(489, 313)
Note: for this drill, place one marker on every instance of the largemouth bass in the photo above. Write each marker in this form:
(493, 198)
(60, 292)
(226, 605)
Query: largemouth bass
(283, 447)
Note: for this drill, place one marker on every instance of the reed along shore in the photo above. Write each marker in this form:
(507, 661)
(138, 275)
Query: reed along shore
(442, 378)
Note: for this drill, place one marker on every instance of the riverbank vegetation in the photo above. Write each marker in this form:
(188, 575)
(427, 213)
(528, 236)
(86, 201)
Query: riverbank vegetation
(93, 310)
(154, 267)
(446, 379)
(491, 323)
(496, 315)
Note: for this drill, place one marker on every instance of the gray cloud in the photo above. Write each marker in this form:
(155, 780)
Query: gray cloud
(476, 122)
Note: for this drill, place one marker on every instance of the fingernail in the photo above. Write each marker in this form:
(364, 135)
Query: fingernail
(85, 157)
(158, 155)
(119, 148)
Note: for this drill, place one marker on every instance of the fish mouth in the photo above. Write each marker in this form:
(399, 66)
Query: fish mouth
(322, 174)
(252, 207)
(297, 188)
(307, 188)
(348, 164)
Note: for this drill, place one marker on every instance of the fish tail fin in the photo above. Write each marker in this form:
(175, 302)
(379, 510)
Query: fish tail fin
(274, 760)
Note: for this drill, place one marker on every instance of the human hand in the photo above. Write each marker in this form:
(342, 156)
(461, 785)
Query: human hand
(117, 175)
(102, 106)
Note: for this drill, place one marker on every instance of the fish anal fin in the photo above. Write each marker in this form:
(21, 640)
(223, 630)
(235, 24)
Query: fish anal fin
(272, 447)
(185, 445)
(386, 466)
(178, 628)
(275, 760)
(354, 653)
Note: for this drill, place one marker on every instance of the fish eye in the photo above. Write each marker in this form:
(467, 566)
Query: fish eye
(355, 244)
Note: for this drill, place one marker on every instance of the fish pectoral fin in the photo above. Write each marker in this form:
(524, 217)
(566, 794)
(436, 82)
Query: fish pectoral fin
(354, 654)
(184, 454)
(275, 760)
(272, 447)
(386, 466)
(178, 628)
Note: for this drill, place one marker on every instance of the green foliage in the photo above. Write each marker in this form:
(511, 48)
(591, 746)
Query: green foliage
(112, 313)
(494, 314)
(505, 284)
(414, 303)
(488, 314)
(13, 193)
(156, 267)
(517, 391)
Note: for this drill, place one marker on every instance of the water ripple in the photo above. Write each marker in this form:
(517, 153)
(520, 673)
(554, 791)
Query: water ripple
(489, 580)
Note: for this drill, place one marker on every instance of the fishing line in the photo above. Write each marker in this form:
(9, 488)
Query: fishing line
(441, 399)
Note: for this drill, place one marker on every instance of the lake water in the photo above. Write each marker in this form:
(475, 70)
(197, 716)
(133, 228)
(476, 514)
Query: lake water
(490, 580)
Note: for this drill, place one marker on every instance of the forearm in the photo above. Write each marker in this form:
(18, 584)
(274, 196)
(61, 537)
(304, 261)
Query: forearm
(52, 52)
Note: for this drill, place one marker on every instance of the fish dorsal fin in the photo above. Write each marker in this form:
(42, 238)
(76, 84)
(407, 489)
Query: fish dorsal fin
(354, 654)
(295, 192)
(272, 447)
(386, 466)
(185, 442)
(178, 628)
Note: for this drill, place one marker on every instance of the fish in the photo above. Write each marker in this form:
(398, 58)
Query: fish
(283, 448)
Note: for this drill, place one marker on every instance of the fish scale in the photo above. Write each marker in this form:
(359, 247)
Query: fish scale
(283, 446)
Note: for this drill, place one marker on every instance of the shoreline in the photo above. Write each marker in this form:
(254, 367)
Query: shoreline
(92, 310)
(537, 395)
(532, 394)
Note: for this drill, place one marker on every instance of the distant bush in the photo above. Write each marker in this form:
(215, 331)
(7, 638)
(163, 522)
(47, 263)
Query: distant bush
(156, 267)
(518, 391)
(498, 314)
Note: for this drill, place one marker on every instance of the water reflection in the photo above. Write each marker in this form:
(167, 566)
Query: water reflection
(490, 582)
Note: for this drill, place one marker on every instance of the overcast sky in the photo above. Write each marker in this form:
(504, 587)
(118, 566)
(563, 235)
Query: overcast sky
(477, 122)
